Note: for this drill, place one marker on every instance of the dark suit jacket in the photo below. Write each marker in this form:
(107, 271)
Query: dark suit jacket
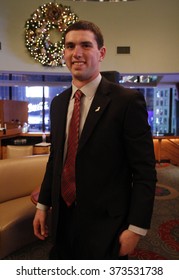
(115, 167)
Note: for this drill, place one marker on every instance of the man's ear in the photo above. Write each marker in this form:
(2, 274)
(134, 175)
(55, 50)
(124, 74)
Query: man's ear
(102, 53)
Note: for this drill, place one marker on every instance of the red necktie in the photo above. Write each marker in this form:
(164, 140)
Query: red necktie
(68, 182)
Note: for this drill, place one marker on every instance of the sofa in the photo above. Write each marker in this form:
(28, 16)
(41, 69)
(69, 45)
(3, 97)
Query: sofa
(18, 179)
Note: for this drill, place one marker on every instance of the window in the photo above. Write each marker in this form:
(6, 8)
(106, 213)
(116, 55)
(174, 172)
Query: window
(39, 90)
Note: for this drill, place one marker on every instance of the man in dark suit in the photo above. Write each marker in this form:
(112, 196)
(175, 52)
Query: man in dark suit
(115, 173)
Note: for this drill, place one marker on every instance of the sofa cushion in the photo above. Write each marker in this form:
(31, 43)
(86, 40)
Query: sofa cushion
(19, 151)
(20, 176)
(16, 229)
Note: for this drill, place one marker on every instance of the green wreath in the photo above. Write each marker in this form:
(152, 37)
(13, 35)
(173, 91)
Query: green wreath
(47, 21)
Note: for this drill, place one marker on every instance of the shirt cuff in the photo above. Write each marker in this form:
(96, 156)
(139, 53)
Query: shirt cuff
(138, 230)
(42, 206)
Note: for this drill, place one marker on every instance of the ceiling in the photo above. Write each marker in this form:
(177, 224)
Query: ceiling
(134, 79)
(171, 79)
(150, 79)
(103, 0)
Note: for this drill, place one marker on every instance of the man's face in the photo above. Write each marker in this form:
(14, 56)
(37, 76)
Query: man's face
(82, 55)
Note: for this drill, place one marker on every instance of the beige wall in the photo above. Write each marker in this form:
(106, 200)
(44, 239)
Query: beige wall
(149, 27)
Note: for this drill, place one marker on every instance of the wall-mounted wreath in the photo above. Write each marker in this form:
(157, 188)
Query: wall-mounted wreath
(44, 33)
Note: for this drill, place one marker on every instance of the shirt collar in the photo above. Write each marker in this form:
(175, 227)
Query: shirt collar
(89, 89)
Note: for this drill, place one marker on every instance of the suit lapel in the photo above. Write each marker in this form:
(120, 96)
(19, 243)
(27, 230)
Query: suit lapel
(98, 106)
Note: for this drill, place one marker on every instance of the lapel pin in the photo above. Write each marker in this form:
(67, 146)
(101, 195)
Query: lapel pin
(97, 109)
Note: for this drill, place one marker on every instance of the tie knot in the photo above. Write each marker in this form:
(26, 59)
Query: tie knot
(78, 95)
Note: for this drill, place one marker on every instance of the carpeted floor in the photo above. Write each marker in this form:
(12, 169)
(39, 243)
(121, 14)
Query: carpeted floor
(162, 240)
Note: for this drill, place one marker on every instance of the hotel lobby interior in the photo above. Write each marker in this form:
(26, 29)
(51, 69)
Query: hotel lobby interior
(141, 37)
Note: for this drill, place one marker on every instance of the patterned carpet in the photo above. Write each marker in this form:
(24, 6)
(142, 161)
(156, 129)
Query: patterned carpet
(162, 240)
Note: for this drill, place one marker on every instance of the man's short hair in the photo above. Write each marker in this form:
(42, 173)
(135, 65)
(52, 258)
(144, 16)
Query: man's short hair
(90, 26)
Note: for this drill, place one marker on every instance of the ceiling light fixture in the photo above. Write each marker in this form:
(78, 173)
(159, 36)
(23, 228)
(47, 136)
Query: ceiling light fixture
(103, 0)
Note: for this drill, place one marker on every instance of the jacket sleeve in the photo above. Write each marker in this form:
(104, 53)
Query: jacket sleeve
(140, 154)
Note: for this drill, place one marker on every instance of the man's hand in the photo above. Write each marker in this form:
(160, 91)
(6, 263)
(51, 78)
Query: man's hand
(39, 224)
(128, 240)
